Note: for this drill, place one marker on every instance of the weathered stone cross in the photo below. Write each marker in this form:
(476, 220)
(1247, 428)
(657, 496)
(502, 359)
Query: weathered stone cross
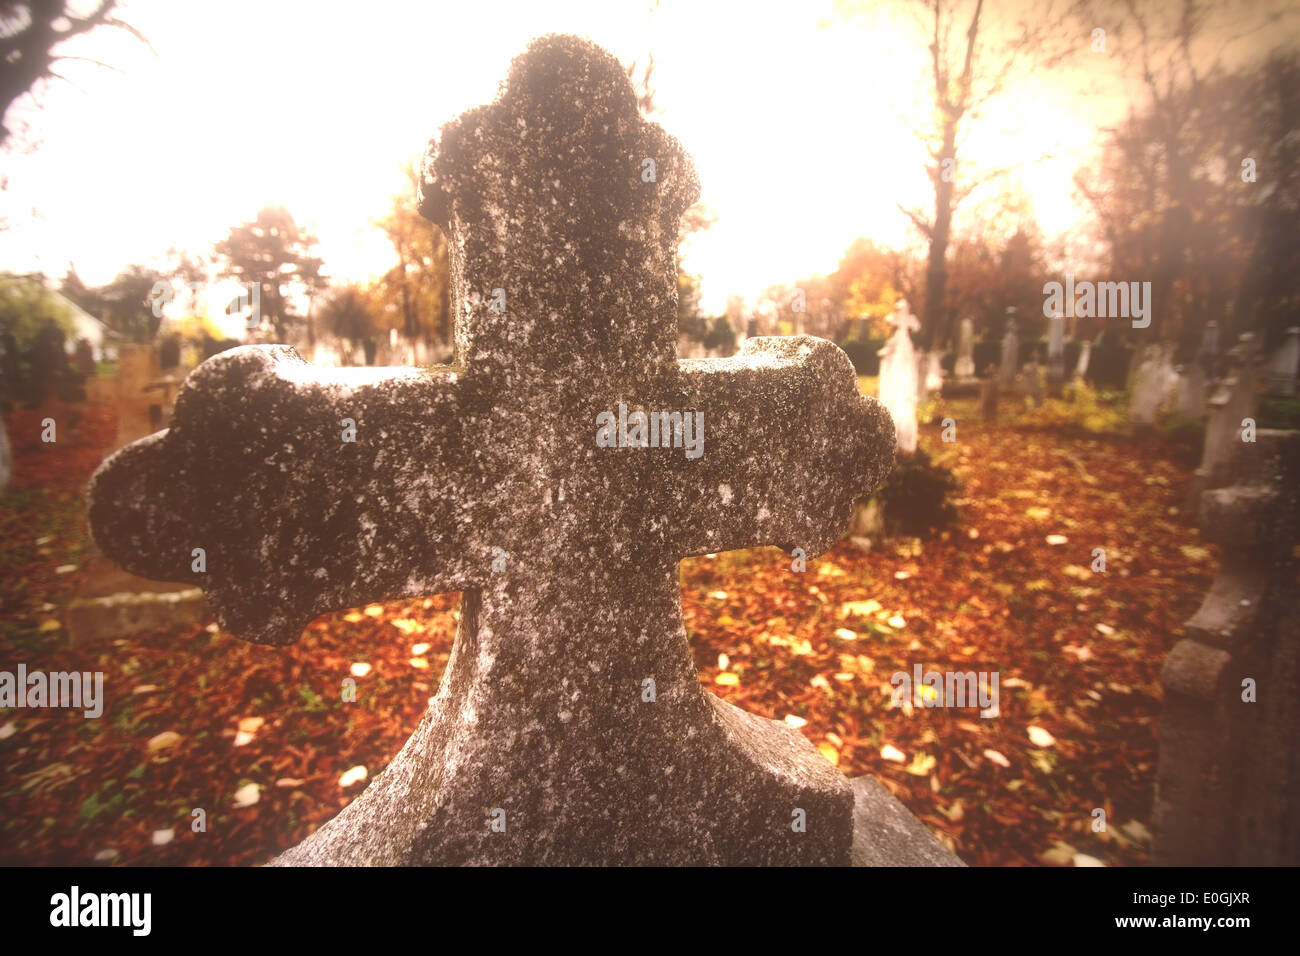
(486, 477)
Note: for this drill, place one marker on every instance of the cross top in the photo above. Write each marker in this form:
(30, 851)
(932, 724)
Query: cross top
(563, 197)
(571, 701)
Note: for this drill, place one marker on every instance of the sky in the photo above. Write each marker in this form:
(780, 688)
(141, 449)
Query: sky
(795, 119)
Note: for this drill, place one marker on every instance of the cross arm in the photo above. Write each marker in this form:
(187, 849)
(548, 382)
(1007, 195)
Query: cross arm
(789, 446)
(285, 490)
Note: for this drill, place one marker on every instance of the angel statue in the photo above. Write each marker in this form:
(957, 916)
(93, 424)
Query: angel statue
(898, 376)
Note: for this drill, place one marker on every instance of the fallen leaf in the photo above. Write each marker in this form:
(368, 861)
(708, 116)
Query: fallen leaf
(163, 837)
(359, 669)
(921, 765)
(996, 757)
(859, 608)
(890, 752)
(418, 650)
(250, 725)
(1059, 854)
(168, 738)
(374, 610)
(353, 776)
(795, 722)
(727, 679)
(1135, 830)
(844, 634)
(1040, 737)
(829, 752)
(247, 795)
(1082, 859)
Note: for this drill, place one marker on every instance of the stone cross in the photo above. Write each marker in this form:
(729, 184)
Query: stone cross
(545, 476)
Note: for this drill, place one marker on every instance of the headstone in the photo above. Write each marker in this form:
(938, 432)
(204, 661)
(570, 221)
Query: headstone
(929, 374)
(137, 368)
(1010, 351)
(898, 376)
(1056, 353)
(1234, 398)
(1228, 778)
(1085, 355)
(570, 726)
(1286, 364)
(1194, 379)
(1029, 383)
(1153, 386)
(965, 365)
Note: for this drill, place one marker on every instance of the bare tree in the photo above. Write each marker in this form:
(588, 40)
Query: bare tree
(30, 32)
(966, 72)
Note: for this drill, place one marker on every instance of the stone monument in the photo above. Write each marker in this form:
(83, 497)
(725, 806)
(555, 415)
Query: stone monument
(555, 474)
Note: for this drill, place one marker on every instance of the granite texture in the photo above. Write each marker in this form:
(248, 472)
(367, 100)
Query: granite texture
(487, 477)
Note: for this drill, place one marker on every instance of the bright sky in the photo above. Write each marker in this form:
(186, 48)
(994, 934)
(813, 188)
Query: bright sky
(794, 128)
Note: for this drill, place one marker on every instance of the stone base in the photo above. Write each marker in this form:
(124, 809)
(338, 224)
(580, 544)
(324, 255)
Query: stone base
(886, 834)
(118, 615)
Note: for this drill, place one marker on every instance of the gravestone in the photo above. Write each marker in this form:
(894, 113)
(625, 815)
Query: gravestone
(1010, 351)
(929, 374)
(570, 726)
(1029, 383)
(1085, 355)
(1228, 779)
(1056, 353)
(1235, 398)
(965, 365)
(1153, 385)
(1194, 377)
(137, 367)
(1285, 365)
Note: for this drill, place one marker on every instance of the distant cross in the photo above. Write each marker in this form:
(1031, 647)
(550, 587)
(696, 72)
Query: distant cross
(570, 726)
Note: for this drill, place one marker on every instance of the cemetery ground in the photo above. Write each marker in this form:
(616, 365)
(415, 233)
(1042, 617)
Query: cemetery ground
(260, 739)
